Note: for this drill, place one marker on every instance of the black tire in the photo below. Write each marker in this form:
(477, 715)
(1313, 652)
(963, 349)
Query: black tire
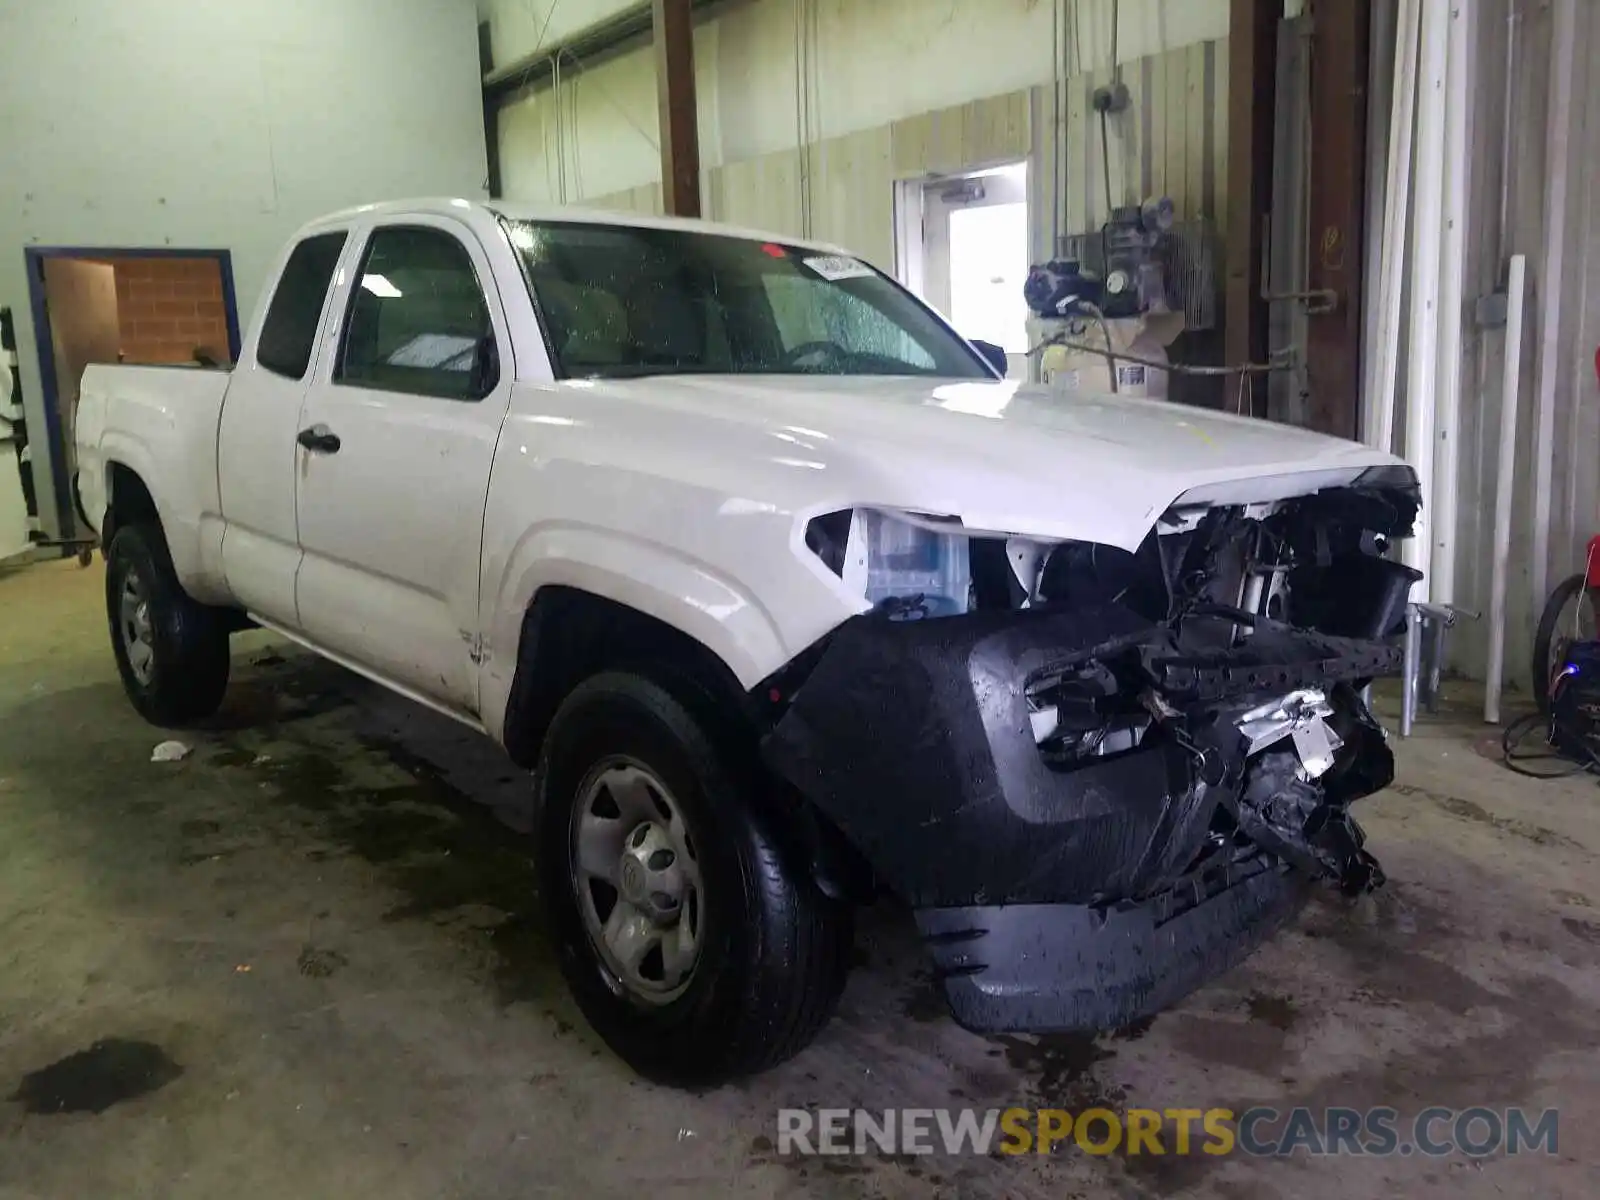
(774, 949)
(1544, 640)
(188, 671)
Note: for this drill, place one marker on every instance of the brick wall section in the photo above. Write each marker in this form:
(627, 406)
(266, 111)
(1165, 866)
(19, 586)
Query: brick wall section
(168, 306)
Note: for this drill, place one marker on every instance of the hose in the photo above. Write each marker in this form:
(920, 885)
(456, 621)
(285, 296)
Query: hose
(1283, 358)
(1516, 735)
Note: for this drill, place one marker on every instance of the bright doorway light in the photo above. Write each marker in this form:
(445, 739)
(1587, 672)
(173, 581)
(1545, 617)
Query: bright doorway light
(988, 267)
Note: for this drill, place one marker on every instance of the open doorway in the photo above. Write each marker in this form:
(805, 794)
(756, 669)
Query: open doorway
(962, 245)
(95, 305)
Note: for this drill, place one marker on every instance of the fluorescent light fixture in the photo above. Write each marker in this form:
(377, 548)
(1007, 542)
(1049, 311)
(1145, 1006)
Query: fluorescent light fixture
(378, 285)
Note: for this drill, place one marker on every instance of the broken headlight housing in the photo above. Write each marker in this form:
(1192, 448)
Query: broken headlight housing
(917, 564)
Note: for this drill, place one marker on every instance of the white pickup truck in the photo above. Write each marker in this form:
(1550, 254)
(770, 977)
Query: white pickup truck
(787, 599)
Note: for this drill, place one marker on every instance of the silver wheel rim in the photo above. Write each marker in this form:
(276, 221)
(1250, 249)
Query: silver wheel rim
(637, 881)
(138, 640)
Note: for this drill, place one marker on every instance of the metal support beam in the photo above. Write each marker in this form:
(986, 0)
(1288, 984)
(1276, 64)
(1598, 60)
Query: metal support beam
(491, 115)
(1340, 43)
(680, 134)
(1252, 84)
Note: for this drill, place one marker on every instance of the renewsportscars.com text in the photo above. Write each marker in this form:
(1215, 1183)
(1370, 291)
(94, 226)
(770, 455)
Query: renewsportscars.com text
(1255, 1132)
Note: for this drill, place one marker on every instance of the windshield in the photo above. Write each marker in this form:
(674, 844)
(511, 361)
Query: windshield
(620, 301)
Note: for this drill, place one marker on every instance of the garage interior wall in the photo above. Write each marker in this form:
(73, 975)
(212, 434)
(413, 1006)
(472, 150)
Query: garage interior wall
(1575, 491)
(810, 110)
(153, 123)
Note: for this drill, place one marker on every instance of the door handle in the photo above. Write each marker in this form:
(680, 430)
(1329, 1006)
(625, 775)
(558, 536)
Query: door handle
(319, 439)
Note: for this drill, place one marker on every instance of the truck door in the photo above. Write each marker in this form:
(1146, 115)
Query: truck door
(256, 440)
(397, 438)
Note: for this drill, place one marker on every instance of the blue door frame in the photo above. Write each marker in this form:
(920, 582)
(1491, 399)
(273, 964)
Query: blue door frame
(34, 258)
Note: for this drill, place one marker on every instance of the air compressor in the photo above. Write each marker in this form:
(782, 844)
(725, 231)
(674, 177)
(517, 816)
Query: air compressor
(1118, 304)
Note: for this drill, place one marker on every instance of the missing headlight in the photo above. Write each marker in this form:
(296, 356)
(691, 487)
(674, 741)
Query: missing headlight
(828, 537)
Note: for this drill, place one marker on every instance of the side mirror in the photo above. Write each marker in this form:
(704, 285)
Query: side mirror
(994, 355)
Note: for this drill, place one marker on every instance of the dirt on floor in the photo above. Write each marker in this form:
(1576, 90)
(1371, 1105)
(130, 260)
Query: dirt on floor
(303, 961)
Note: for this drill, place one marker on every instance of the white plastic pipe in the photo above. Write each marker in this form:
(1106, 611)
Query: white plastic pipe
(1423, 342)
(1552, 272)
(1504, 487)
(1378, 426)
(1447, 420)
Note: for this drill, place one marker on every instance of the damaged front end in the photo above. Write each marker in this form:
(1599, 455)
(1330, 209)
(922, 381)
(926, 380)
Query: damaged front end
(1114, 774)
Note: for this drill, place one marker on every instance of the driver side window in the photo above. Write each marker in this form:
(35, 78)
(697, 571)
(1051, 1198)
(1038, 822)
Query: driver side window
(418, 321)
(806, 311)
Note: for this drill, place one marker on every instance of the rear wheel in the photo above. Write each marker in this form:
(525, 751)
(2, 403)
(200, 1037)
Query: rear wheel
(1568, 617)
(171, 651)
(691, 946)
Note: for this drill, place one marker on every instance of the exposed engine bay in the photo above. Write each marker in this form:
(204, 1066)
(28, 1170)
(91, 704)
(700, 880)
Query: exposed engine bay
(1161, 743)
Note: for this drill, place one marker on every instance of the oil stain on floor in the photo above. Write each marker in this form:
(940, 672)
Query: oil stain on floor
(92, 1080)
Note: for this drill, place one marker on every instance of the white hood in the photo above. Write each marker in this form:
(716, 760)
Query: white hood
(1000, 456)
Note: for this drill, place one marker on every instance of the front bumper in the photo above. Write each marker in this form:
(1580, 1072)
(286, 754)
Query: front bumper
(1081, 897)
(1057, 967)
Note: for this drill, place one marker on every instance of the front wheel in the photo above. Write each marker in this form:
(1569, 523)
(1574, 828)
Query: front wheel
(696, 952)
(171, 651)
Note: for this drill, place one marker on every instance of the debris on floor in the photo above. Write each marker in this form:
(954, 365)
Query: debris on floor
(170, 752)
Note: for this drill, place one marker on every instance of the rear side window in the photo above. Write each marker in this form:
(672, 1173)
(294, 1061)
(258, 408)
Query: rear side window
(418, 320)
(290, 330)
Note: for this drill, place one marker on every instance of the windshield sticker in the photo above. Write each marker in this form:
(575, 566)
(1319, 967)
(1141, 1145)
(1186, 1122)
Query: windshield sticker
(834, 267)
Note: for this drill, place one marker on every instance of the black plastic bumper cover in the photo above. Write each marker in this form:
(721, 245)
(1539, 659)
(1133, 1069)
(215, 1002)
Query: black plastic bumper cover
(1049, 968)
(1047, 895)
(914, 739)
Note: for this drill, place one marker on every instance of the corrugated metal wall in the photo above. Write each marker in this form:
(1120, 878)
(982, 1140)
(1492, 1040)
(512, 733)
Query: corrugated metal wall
(1172, 140)
(1575, 508)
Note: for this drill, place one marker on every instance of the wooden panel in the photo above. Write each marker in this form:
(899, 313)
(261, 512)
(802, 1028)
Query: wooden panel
(761, 193)
(1042, 177)
(646, 199)
(853, 195)
(984, 132)
(1220, 134)
(1075, 187)
(1101, 158)
(1194, 140)
(1154, 128)
(1132, 133)
(1176, 128)
(1170, 142)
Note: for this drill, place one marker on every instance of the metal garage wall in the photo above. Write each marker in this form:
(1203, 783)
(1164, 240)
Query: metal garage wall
(1575, 495)
(1171, 141)
(597, 135)
(871, 126)
(221, 126)
(520, 27)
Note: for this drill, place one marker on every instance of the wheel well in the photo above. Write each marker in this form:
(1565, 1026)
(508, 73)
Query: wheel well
(569, 634)
(128, 501)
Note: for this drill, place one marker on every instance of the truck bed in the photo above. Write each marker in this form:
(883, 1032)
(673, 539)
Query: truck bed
(162, 423)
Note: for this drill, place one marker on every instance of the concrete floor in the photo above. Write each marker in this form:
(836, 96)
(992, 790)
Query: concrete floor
(316, 936)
